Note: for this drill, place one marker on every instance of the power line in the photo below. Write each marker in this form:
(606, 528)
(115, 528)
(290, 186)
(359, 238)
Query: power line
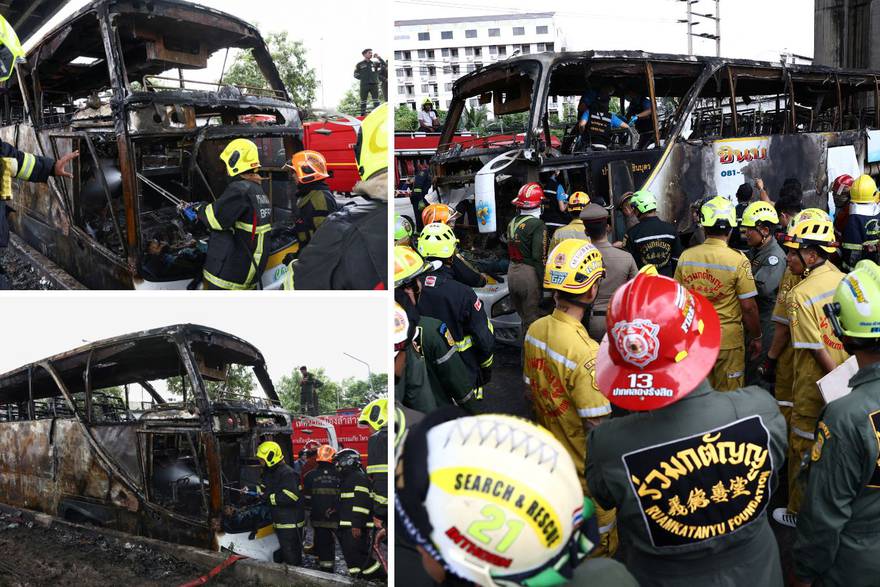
(510, 10)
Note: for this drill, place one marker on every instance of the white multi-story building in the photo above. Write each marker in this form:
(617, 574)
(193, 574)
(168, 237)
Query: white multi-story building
(430, 54)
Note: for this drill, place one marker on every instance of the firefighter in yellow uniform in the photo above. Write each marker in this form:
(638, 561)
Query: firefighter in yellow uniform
(809, 241)
(560, 362)
(575, 228)
(724, 276)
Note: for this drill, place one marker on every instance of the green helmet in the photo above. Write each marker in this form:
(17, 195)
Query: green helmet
(403, 227)
(855, 312)
(719, 212)
(437, 241)
(643, 201)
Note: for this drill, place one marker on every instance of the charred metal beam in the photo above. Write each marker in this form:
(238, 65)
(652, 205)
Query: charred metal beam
(649, 72)
(731, 82)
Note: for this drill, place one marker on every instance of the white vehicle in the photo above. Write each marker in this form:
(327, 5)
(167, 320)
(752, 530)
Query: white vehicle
(499, 307)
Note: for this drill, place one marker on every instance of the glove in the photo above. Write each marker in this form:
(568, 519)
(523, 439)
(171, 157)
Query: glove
(633, 120)
(767, 370)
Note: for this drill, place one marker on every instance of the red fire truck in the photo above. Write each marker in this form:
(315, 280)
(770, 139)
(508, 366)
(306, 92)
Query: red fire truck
(339, 430)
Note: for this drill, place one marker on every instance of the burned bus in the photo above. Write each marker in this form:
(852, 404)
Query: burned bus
(714, 124)
(143, 433)
(133, 87)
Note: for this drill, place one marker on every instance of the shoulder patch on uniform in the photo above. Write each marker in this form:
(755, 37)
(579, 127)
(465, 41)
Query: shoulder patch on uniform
(430, 281)
(478, 305)
(874, 482)
(703, 486)
(773, 260)
(444, 330)
(417, 341)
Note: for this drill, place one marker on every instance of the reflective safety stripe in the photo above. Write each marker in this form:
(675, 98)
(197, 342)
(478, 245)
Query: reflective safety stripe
(289, 526)
(852, 247)
(347, 495)
(249, 228)
(325, 491)
(272, 499)
(372, 569)
(779, 319)
(449, 354)
(802, 433)
(354, 570)
(383, 468)
(291, 495)
(488, 362)
(734, 374)
(212, 220)
(608, 528)
(820, 297)
(746, 296)
(478, 393)
(550, 352)
(526, 379)
(808, 345)
(380, 499)
(224, 284)
(371, 525)
(344, 523)
(707, 265)
(784, 403)
(594, 412)
(257, 256)
(654, 236)
(325, 565)
(467, 398)
(464, 344)
(361, 510)
(362, 488)
(27, 167)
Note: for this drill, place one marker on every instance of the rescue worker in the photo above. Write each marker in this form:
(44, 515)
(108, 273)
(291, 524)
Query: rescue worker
(451, 381)
(456, 305)
(422, 184)
(838, 540)
(743, 196)
(314, 200)
(620, 266)
(724, 276)
(355, 521)
(559, 362)
(308, 392)
(311, 454)
(463, 270)
(321, 496)
(817, 350)
(840, 189)
(367, 73)
(351, 249)
(554, 205)
(527, 249)
(758, 229)
(595, 120)
(460, 476)
(239, 221)
(15, 164)
(375, 415)
(280, 490)
(652, 241)
(700, 524)
(575, 228)
(412, 387)
(862, 227)
(403, 230)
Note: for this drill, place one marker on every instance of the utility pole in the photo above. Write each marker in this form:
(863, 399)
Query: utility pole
(691, 23)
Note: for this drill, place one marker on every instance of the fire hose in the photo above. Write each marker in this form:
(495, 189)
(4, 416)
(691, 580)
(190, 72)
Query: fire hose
(233, 558)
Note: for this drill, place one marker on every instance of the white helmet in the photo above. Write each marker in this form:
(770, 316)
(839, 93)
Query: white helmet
(494, 498)
(401, 327)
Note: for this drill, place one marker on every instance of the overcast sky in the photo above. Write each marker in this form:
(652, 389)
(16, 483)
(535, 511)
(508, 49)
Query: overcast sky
(289, 330)
(333, 31)
(752, 29)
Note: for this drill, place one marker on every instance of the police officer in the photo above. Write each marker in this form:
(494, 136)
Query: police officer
(758, 227)
(367, 73)
(452, 382)
(308, 392)
(464, 272)
(239, 221)
(620, 266)
(375, 415)
(17, 164)
(575, 228)
(862, 227)
(838, 539)
(314, 200)
(817, 351)
(724, 276)
(527, 249)
(651, 241)
(321, 496)
(689, 511)
(456, 305)
(560, 358)
(355, 519)
(411, 384)
(280, 487)
(351, 249)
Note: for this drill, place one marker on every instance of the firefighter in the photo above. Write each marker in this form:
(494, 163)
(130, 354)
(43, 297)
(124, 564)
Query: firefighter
(239, 222)
(838, 540)
(840, 189)
(367, 73)
(422, 184)
(375, 415)
(439, 213)
(15, 164)
(452, 382)
(456, 305)
(527, 248)
(493, 500)
(758, 229)
(724, 276)
(575, 228)
(280, 490)
(351, 249)
(684, 524)
(355, 521)
(403, 230)
(411, 384)
(311, 454)
(308, 392)
(862, 227)
(817, 350)
(314, 200)
(321, 496)
(560, 357)
(651, 241)
(463, 271)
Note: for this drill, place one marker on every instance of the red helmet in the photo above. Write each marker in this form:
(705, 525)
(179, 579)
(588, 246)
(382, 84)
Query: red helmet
(841, 184)
(662, 342)
(312, 446)
(529, 196)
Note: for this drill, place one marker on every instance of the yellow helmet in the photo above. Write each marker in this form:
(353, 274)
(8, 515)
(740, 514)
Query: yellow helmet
(718, 212)
(812, 227)
(371, 149)
(759, 212)
(573, 266)
(863, 190)
(437, 240)
(240, 155)
(375, 413)
(577, 201)
(408, 265)
(270, 453)
(11, 51)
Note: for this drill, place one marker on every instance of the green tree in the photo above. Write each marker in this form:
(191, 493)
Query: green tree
(239, 384)
(359, 392)
(351, 102)
(475, 120)
(290, 58)
(351, 392)
(405, 118)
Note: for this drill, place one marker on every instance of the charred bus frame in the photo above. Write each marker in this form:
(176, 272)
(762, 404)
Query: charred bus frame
(72, 447)
(95, 84)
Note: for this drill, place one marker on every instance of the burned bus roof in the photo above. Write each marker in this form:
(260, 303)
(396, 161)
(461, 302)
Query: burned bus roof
(192, 28)
(141, 356)
(26, 16)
